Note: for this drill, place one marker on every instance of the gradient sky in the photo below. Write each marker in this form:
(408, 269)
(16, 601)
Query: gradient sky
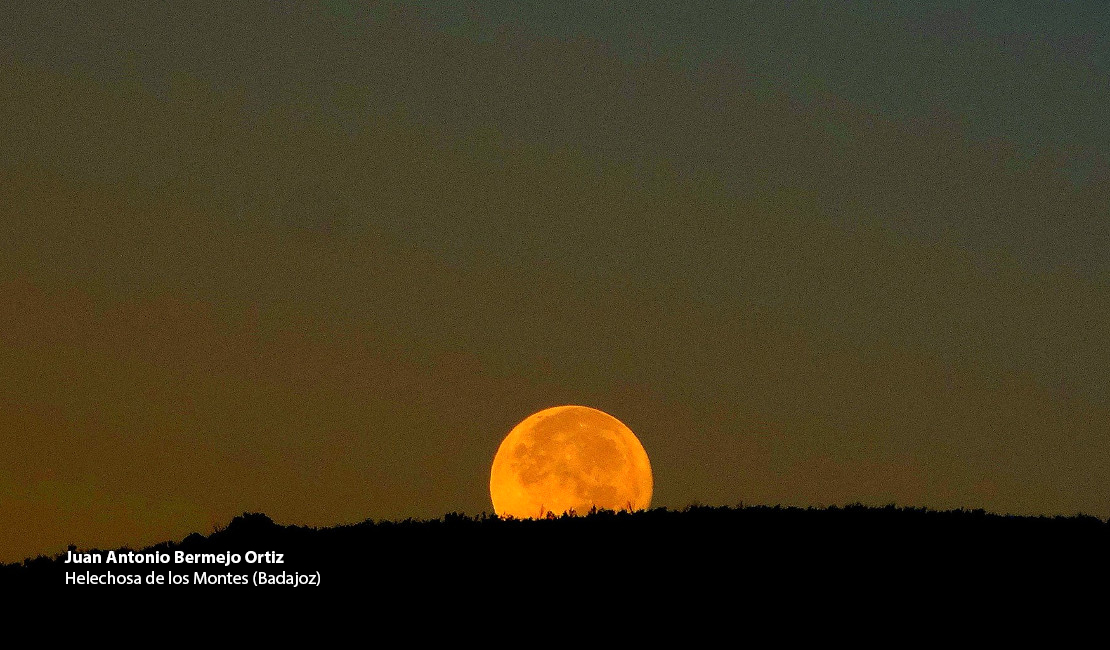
(316, 260)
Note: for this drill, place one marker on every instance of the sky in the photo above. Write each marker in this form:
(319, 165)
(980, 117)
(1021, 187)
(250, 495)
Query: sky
(317, 259)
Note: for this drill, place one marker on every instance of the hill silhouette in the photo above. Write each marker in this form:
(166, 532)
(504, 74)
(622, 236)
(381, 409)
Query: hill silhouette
(766, 549)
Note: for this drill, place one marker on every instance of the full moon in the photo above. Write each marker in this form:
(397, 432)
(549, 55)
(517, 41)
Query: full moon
(569, 458)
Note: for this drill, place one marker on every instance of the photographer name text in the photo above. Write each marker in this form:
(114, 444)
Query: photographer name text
(178, 557)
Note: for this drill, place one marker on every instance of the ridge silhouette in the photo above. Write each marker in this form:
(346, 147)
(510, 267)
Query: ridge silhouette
(765, 548)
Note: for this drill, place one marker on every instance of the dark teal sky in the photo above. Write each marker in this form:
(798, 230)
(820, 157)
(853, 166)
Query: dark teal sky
(1030, 80)
(318, 260)
(1032, 71)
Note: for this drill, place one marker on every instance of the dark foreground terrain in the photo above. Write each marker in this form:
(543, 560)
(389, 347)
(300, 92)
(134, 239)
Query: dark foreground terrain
(657, 555)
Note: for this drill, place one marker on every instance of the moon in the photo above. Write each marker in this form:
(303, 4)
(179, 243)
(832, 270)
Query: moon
(569, 459)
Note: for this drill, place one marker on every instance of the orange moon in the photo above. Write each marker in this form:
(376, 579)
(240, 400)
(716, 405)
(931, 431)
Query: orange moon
(569, 458)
